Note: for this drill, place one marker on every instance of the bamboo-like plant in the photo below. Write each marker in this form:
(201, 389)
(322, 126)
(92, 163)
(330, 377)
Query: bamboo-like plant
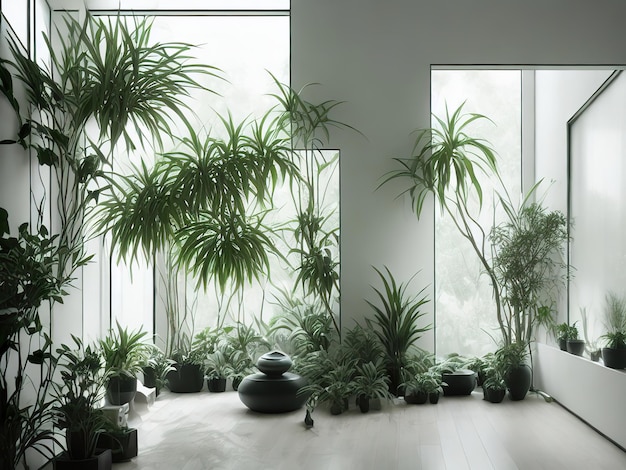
(396, 323)
(528, 263)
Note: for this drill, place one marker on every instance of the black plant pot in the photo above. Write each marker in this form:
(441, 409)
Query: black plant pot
(493, 395)
(518, 382)
(121, 389)
(576, 346)
(563, 344)
(101, 461)
(236, 383)
(185, 378)
(123, 444)
(149, 377)
(216, 385)
(336, 408)
(418, 398)
(433, 398)
(364, 404)
(460, 382)
(614, 358)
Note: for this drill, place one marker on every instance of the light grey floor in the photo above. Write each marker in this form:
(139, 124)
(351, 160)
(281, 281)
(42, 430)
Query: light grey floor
(215, 431)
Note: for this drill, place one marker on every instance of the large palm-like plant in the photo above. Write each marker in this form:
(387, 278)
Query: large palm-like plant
(396, 323)
(105, 83)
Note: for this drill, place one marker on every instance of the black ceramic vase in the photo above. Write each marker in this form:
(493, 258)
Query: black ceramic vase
(518, 382)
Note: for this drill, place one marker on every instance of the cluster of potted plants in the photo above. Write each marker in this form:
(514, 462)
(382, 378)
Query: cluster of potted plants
(87, 373)
(567, 337)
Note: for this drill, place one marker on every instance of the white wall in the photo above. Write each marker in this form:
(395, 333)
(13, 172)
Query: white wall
(377, 56)
(593, 392)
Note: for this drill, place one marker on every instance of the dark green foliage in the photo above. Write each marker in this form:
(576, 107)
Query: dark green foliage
(444, 159)
(78, 396)
(563, 331)
(528, 262)
(395, 323)
(124, 351)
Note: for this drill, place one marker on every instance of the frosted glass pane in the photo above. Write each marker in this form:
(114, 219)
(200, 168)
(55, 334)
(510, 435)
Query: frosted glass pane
(598, 210)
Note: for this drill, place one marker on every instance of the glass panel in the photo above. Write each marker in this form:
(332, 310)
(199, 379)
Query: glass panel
(465, 314)
(16, 13)
(597, 195)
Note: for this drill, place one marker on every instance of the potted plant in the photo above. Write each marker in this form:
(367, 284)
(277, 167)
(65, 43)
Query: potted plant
(511, 363)
(575, 345)
(370, 382)
(433, 385)
(614, 354)
(216, 370)
(121, 441)
(186, 375)
(124, 354)
(494, 386)
(563, 332)
(156, 368)
(79, 395)
(396, 324)
(416, 388)
(331, 383)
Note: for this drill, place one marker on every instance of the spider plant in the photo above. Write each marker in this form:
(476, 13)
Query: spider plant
(395, 323)
(447, 163)
(316, 225)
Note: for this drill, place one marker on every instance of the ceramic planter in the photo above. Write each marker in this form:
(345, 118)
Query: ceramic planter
(364, 404)
(185, 378)
(101, 461)
(614, 358)
(417, 398)
(518, 382)
(433, 398)
(123, 444)
(460, 382)
(216, 385)
(121, 389)
(494, 395)
(576, 346)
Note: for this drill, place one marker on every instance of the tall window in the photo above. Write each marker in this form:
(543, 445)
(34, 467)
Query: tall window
(246, 48)
(465, 311)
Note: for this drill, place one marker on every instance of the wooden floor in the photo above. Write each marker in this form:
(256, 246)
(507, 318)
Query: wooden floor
(215, 431)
